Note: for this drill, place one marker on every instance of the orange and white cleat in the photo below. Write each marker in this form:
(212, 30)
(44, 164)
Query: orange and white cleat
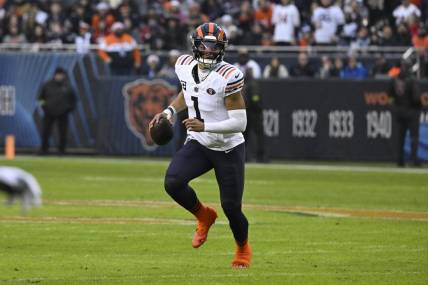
(206, 218)
(243, 255)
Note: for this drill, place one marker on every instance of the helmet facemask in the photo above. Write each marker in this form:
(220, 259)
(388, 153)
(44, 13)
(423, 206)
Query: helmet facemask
(208, 51)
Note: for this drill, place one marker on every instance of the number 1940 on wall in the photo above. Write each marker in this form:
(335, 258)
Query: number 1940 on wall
(341, 124)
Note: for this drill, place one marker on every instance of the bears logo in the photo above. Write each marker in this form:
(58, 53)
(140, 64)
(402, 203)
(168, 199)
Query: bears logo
(143, 100)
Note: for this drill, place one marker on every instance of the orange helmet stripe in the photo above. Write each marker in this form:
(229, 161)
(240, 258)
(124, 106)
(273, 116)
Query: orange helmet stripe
(221, 35)
(199, 32)
(211, 28)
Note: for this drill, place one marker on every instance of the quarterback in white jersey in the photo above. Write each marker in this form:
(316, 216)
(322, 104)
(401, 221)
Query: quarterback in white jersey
(19, 184)
(211, 91)
(205, 100)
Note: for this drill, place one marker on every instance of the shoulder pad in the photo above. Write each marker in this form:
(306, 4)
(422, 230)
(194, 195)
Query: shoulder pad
(184, 59)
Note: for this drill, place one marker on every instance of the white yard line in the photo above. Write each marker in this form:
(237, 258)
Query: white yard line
(323, 212)
(288, 166)
(87, 220)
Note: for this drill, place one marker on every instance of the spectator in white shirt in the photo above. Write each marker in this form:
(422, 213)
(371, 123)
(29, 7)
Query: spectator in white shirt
(286, 19)
(83, 39)
(327, 18)
(244, 63)
(403, 12)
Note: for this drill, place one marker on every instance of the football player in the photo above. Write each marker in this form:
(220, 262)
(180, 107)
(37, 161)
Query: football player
(19, 184)
(217, 117)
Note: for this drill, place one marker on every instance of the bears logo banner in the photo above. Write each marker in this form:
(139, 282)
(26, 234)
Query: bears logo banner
(143, 100)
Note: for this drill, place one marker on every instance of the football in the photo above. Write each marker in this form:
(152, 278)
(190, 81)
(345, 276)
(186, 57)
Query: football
(162, 132)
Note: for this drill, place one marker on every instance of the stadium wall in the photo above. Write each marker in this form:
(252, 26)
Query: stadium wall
(333, 119)
(303, 119)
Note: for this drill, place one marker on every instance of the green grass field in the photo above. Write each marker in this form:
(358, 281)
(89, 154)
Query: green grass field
(109, 221)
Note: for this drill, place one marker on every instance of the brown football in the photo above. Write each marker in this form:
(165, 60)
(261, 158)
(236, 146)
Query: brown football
(162, 132)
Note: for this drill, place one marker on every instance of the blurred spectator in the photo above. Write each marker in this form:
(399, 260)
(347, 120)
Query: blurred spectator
(57, 99)
(128, 15)
(175, 38)
(196, 17)
(232, 7)
(246, 17)
(2, 9)
(230, 29)
(15, 36)
(306, 38)
(304, 7)
(168, 69)
(120, 50)
(376, 10)
(403, 36)
(326, 68)
(152, 32)
(101, 21)
(337, 68)
(38, 35)
(286, 19)
(303, 68)
(56, 14)
(152, 69)
(245, 63)
(263, 14)
(30, 22)
(362, 40)
(212, 8)
(413, 25)
(254, 133)
(275, 69)
(55, 32)
(177, 11)
(266, 39)
(420, 40)
(327, 19)
(77, 15)
(350, 29)
(253, 37)
(380, 68)
(357, 11)
(388, 38)
(83, 39)
(403, 12)
(354, 69)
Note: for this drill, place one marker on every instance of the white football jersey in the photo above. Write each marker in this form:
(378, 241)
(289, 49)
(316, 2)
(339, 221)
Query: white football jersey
(205, 100)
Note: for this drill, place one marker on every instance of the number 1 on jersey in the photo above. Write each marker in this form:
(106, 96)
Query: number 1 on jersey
(196, 106)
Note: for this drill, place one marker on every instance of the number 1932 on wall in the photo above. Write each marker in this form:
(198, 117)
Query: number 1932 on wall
(341, 124)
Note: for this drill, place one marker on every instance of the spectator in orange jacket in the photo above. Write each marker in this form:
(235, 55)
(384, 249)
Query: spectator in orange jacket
(120, 50)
